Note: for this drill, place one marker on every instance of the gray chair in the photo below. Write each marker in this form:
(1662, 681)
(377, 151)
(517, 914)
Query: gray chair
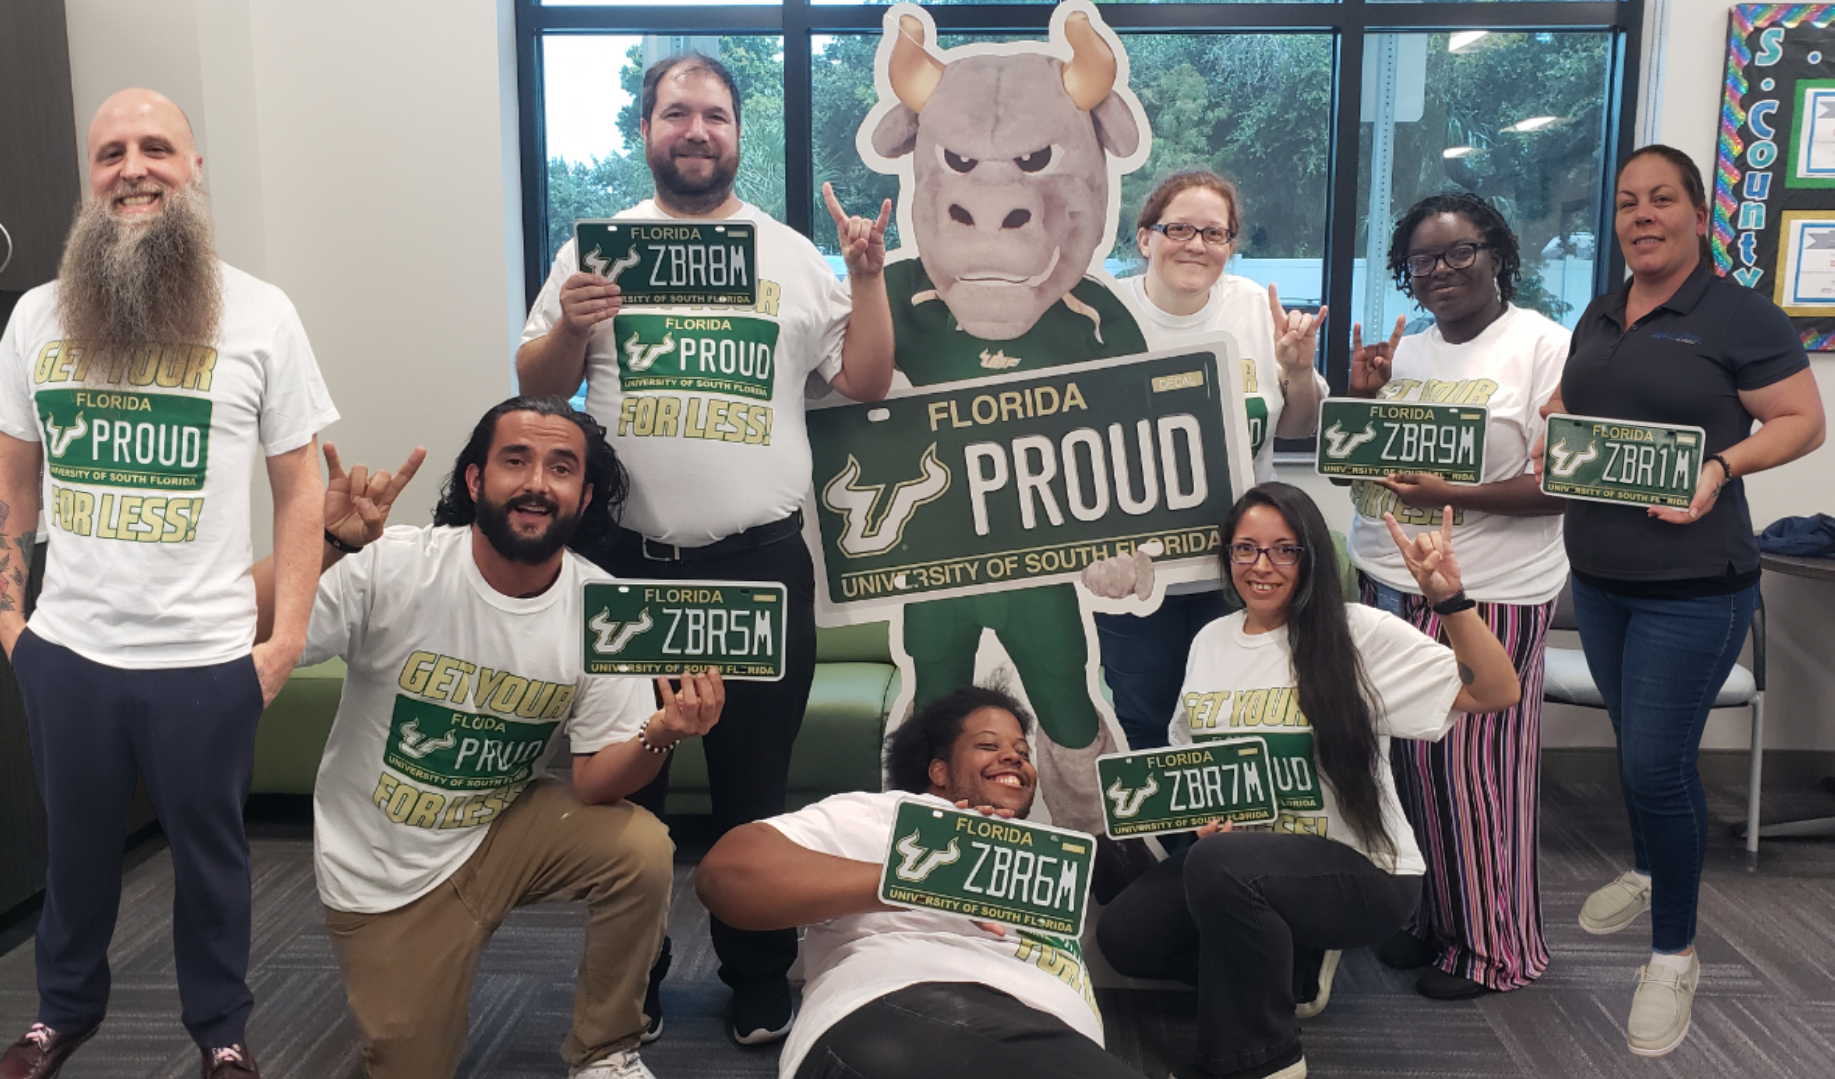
(1568, 681)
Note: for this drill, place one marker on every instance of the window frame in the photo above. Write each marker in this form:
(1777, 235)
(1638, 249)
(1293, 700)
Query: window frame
(1349, 22)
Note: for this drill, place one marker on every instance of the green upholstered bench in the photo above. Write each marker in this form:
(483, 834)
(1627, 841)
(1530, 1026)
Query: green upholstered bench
(838, 748)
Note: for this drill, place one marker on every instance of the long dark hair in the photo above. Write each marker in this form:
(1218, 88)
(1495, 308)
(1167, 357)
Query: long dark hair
(598, 521)
(1335, 692)
(931, 732)
(1483, 216)
(1692, 185)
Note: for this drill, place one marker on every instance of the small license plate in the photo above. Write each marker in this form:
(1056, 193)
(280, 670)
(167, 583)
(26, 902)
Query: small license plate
(1375, 438)
(684, 627)
(673, 263)
(1185, 787)
(998, 870)
(1604, 460)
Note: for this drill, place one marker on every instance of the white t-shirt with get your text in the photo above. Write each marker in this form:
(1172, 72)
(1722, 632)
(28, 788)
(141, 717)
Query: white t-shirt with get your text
(704, 405)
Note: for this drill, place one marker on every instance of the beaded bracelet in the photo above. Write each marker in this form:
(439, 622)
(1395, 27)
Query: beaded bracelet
(645, 742)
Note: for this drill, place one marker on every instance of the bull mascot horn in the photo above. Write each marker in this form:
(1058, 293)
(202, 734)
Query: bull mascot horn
(913, 71)
(1088, 77)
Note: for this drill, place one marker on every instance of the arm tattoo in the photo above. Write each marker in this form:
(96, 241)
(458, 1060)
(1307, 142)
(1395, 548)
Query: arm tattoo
(1465, 675)
(15, 574)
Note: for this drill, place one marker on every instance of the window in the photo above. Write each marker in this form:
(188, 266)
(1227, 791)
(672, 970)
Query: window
(1331, 116)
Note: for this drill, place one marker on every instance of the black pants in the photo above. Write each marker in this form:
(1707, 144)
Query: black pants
(748, 751)
(955, 1030)
(1229, 915)
(191, 733)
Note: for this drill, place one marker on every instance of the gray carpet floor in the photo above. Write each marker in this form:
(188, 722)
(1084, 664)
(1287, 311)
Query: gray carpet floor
(1766, 1006)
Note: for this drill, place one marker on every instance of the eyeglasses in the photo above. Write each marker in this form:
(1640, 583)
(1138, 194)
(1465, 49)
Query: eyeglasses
(1179, 232)
(1283, 554)
(1456, 257)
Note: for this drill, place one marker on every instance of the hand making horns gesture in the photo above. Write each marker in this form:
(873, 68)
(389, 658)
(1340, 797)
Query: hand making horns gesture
(863, 242)
(1430, 557)
(1370, 366)
(357, 503)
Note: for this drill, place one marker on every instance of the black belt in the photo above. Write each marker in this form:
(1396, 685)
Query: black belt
(751, 539)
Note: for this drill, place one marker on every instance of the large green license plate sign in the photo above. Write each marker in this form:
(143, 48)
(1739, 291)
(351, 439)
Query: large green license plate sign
(673, 263)
(1375, 438)
(1185, 787)
(958, 488)
(1603, 460)
(962, 862)
(682, 627)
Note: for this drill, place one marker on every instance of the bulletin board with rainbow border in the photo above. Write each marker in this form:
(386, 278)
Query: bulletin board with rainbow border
(1774, 176)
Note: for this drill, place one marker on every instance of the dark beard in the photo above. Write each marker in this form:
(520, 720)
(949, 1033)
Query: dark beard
(123, 284)
(677, 192)
(494, 522)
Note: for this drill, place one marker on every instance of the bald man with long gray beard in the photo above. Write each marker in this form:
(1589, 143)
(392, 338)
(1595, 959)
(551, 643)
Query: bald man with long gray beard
(144, 380)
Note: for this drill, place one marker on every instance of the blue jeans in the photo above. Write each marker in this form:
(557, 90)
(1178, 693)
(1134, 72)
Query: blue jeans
(1143, 660)
(1659, 664)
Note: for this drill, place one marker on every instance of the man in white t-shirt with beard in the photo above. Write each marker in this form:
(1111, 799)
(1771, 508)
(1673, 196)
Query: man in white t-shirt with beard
(146, 380)
(705, 407)
(432, 818)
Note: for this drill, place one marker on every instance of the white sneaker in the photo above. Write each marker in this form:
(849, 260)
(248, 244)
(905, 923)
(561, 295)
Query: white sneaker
(624, 1064)
(1615, 906)
(1309, 1009)
(1659, 1010)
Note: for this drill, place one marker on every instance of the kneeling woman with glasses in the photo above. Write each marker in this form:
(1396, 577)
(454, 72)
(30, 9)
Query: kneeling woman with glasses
(1244, 913)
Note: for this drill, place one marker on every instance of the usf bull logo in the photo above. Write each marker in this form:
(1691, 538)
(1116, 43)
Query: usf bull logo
(1340, 443)
(417, 745)
(1567, 462)
(876, 522)
(1128, 801)
(597, 263)
(920, 861)
(613, 636)
(642, 357)
(62, 437)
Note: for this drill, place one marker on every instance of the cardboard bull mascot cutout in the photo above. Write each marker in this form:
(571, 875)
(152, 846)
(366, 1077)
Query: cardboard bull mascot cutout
(1031, 433)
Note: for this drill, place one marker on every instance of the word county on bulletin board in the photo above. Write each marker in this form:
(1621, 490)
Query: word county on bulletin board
(1774, 175)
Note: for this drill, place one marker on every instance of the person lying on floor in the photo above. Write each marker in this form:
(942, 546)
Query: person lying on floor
(431, 818)
(906, 994)
(1330, 682)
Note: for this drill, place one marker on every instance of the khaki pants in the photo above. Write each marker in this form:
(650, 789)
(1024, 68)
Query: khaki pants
(408, 972)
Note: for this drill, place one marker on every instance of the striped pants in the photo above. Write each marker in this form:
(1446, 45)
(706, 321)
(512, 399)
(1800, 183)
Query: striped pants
(1473, 798)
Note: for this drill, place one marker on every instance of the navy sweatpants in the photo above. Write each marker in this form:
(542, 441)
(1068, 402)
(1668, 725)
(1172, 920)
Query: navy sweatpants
(191, 733)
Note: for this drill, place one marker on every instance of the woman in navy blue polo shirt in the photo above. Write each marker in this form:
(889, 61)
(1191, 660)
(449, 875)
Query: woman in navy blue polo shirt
(1664, 596)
